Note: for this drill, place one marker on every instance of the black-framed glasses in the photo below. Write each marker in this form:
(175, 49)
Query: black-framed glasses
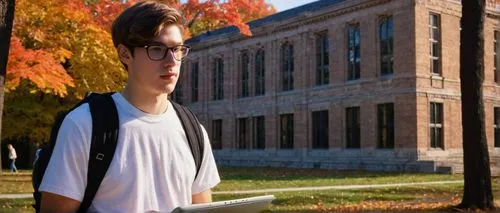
(158, 52)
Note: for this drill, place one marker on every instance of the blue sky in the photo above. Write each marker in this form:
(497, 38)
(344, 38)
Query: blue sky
(284, 4)
(288, 4)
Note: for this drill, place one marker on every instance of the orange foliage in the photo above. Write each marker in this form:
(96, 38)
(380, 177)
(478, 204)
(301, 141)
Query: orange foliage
(39, 67)
(105, 12)
(215, 13)
(219, 13)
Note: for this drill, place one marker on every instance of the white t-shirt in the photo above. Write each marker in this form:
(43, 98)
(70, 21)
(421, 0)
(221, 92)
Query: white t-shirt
(152, 170)
(12, 153)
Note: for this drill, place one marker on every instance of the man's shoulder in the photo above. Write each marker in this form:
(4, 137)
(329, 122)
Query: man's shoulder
(79, 114)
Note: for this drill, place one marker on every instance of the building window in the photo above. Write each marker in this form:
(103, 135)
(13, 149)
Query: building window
(243, 133)
(260, 83)
(287, 67)
(320, 129)
(435, 42)
(194, 82)
(322, 72)
(353, 53)
(286, 131)
(386, 126)
(217, 134)
(386, 31)
(259, 130)
(245, 63)
(496, 126)
(176, 95)
(436, 125)
(218, 79)
(496, 57)
(352, 127)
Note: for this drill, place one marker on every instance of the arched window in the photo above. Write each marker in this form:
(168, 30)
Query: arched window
(353, 53)
(245, 63)
(386, 36)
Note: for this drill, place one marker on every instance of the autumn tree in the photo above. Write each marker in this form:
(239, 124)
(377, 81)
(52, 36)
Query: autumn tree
(210, 15)
(477, 176)
(55, 60)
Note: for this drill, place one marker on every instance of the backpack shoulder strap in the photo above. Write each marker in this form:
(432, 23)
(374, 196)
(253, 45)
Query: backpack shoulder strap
(193, 132)
(105, 126)
(41, 163)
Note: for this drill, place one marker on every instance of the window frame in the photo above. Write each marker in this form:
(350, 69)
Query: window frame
(320, 125)
(435, 59)
(258, 132)
(385, 126)
(216, 134)
(286, 131)
(496, 127)
(245, 75)
(322, 59)
(354, 48)
(260, 72)
(496, 56)
(436, 126)
(218, 79)
(353, 127)
(386, 25)
(287, 66)
(242, 133)
(195, 76)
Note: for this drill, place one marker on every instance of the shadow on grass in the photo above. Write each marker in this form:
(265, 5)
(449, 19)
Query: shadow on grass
(271, 173)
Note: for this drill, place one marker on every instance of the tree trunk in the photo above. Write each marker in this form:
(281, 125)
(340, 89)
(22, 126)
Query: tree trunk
(477, 175)
(6, 19)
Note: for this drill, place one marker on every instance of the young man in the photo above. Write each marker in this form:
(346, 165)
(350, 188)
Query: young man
(153, 169)
(12, 158)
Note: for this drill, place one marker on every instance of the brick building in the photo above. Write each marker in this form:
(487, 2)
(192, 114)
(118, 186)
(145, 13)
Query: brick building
(342, 84)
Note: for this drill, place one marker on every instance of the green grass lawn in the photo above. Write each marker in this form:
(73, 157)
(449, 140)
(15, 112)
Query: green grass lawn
(16, 205)
(16, 183)
(428, 198)
(265, 178)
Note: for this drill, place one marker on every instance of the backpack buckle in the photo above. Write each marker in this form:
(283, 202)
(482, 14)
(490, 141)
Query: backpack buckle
(99, 156)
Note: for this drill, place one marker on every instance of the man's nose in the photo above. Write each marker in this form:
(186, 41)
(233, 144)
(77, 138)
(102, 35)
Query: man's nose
(169, 58)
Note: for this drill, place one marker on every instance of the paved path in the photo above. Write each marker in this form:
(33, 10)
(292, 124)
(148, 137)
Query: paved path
(315, 188)
(15, 196)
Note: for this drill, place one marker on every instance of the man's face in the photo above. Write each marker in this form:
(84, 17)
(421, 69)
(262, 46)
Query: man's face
(150, 73)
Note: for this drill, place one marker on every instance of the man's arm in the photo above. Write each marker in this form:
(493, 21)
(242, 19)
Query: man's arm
(202, 197)
(57, 203)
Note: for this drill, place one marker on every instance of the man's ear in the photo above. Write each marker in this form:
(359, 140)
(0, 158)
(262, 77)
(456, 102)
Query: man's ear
(124, 54)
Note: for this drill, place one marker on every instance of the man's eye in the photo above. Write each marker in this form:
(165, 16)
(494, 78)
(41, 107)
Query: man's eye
(158, 49)
(178, 49)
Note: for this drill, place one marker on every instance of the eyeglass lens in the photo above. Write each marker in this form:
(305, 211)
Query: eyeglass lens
(159, 52)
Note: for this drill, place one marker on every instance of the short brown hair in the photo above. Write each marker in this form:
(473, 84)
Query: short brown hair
(142, 22)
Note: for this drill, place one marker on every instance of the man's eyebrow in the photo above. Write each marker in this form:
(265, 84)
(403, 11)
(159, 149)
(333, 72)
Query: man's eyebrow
(171, 44)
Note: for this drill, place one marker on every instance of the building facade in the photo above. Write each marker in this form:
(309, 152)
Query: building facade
(341, 84)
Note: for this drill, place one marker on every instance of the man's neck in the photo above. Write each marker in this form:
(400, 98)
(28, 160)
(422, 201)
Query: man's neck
(148, 103)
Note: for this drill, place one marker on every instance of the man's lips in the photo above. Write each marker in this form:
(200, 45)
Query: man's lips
(168, 76)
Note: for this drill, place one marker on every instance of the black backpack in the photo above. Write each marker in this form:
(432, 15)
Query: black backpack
(105, 126)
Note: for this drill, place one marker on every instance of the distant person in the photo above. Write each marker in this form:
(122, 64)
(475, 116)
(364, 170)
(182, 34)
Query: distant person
(12, 157)
(37, 155)
(153, 169)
